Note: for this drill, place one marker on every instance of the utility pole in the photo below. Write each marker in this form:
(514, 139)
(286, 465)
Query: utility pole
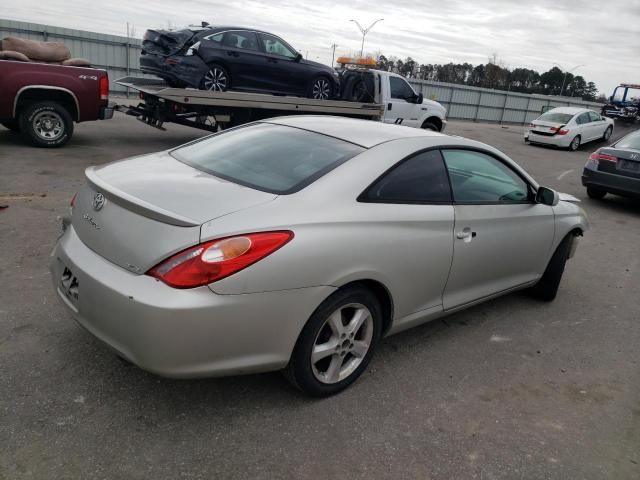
(333, 55)
(364, 32)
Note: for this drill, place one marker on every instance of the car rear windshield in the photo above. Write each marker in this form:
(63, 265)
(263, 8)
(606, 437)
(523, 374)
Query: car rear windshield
(268, 157)
(556, 117)
(630, 141)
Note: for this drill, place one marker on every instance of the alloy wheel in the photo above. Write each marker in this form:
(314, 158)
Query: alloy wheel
(607, 134)
(321, 89)
(48, 125)
(216, 80)
(575, 143)
(342, 343)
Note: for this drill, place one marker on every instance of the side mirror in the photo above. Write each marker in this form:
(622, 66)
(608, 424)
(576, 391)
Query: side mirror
(546, 196)
(298, 57)
(420, 99)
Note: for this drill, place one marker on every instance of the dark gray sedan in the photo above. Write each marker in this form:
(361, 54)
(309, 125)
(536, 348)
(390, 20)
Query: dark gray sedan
(614, 169)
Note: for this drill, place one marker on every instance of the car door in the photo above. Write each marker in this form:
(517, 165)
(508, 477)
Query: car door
(284, 71)
(502, 238)
(598, 125)
(584, 127)
(243, 57)
(411, 204)
(399, 108)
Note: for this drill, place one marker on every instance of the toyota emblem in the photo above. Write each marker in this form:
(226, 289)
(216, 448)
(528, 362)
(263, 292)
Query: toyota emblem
(98, 201)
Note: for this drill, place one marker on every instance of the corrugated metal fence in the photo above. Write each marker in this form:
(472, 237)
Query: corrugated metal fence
(483, 104)
(119, 56)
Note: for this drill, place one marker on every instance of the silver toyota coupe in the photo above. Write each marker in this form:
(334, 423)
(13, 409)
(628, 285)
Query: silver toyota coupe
(297, 243)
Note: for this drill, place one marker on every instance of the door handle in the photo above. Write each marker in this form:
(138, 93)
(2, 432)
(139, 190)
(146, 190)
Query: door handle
(465, 234)
(233, 54)
(272, 60)
(389, 106)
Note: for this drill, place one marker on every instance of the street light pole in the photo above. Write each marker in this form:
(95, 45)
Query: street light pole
(364, 32)
(333, 55)
(566, 72)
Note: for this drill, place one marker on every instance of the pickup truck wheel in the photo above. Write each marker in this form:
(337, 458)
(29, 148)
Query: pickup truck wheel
(46, 124)
(11, 125)
(217, 79)
(430, 126)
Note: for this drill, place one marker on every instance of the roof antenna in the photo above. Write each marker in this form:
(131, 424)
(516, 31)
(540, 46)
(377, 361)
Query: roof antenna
(205, 24)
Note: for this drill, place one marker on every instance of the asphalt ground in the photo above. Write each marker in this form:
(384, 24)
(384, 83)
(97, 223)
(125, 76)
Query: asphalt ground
(511, 389)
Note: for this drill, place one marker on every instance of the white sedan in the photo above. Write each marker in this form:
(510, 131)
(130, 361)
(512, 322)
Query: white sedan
(569, 127)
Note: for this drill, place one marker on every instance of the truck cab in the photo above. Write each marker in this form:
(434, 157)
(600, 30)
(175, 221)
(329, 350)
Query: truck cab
(624, 104)
(403, 106)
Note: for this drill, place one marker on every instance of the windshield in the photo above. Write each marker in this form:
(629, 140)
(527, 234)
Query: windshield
(556, 117)
(268, 157)
(630, 141)
(632, 94)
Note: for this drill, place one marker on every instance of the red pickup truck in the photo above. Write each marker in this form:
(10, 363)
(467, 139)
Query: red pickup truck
(43, 101)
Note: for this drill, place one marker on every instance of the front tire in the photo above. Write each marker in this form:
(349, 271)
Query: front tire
(575, 143)
(547, 288)
(217, 79)
(46, 124)
(321, 88)
(595, 193)
(337, 343)
(607, 134)
(430, 126)
(12, 125)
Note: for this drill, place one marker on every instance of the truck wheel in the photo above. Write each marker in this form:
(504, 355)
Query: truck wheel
(320, 89)
(217, 79)
(11, 125)
(46, 124)
(430, 126)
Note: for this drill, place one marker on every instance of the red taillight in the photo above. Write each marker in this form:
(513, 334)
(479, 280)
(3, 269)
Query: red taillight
(104, 88)
(561, 131)
(532, 125)
(596, 156)
(212, 261)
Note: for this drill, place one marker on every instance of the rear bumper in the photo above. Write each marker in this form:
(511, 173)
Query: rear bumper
(180, 333)
(616, 184)
(562, 141)
(106, 113)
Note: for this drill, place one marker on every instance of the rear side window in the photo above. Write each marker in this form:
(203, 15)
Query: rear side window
(268, 157)
(479, 178)
(583, 118)
(241, 39)
(420, 179)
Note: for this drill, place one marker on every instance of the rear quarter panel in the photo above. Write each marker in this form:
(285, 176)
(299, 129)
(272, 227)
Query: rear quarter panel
(83, 83)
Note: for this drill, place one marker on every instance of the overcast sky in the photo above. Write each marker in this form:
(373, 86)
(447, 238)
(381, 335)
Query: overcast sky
(604, 36)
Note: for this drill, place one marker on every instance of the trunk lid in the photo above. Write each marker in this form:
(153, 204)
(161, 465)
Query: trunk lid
(137, 212)
(628, 163)
(545, 127)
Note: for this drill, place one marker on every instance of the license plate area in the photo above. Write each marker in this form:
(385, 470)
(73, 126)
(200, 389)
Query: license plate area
(629, 166)
(69, 285)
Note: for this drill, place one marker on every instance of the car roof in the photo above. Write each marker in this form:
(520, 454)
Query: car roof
(235, 27)
(366, 133)
(569, 110)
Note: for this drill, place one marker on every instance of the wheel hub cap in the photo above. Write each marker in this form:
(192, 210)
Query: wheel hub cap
(321, 89)
(48, 125)
(215, 80)
(342, 343)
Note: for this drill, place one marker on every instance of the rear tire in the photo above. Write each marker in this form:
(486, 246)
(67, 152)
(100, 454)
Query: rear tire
(596, 193)
(321, 88)
(334, 327)
(12, 125)
(216, 79)
(46, 124)
(547, 288)
(575, 143)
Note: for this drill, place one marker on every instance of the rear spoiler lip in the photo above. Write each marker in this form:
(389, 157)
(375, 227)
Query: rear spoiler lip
(135, 204)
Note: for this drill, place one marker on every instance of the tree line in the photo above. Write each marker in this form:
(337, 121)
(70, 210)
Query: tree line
(495, 76)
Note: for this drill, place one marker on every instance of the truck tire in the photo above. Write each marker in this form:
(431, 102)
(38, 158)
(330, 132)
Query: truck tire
(430, 126)
(46, 124)
(11, 125)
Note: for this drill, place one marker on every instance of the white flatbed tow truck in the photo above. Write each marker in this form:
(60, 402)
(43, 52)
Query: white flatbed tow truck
(389, 98)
